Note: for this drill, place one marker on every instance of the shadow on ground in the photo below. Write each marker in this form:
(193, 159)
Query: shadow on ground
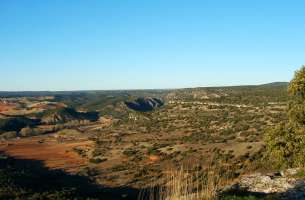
(29, 179)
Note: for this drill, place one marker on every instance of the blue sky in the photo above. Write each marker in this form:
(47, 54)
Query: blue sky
(136, 44)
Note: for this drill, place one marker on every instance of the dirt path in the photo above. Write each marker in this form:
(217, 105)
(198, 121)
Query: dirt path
(54, 155)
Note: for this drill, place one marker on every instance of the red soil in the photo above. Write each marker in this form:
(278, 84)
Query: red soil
(5, 107)
(54, 155)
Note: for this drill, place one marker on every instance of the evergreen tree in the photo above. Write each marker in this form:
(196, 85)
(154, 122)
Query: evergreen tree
(286, 142)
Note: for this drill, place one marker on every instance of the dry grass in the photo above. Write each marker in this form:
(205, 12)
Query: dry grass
(185, 185)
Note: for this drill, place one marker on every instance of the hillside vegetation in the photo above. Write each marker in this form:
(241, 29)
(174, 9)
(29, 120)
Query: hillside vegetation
(135, 138)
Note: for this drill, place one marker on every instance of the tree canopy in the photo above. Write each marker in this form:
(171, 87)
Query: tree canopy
(286, 142)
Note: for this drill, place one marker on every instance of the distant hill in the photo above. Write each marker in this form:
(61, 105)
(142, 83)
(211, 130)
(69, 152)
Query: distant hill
(64, 115)
(144, 104)
(16, 123)
(96, 93)
(276, 84)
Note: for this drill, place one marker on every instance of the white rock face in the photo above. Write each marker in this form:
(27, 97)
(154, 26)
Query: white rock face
(265, 184)
(281, 185)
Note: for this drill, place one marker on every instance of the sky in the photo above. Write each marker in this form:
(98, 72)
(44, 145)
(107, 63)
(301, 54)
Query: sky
(137, 44)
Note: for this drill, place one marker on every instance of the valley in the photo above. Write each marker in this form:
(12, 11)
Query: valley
(116, 144)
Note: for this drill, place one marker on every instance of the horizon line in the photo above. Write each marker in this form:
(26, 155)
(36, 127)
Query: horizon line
(108, 90)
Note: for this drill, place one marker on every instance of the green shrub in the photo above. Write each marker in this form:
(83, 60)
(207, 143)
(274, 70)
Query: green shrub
(97, 160)
(285, 143)
(284, 147)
